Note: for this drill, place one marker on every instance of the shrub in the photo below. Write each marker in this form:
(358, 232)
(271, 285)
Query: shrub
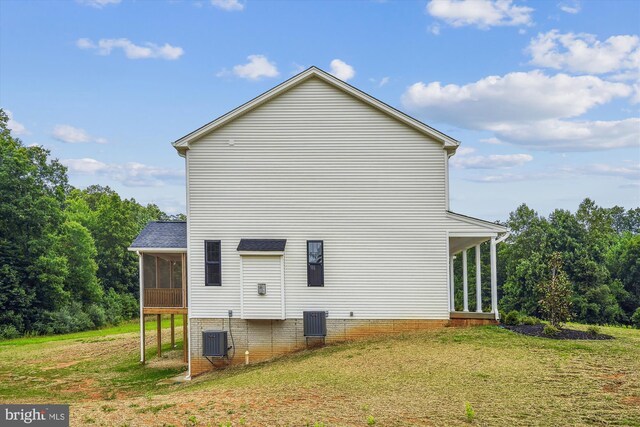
(530, 320)
(370, 420)
(556, 293)
(119, 307)
(635, 318)
(550, 330)
(97, 315)
(8, 332)
(593, 330)
(512, 318)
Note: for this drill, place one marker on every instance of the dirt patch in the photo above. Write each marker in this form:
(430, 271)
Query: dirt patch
(61, 365)
(564, 334)
(631, 400)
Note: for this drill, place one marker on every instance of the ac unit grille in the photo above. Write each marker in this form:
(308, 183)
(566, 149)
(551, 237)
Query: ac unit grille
(214, 343)
(315, 323)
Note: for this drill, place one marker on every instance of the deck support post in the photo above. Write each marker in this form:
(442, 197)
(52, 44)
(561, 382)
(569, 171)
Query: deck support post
(185, 346)
(452, 290)
(159, 333)
(465, 282)
(478, 281)
(141, 277)
(494, 279)
(173, 333)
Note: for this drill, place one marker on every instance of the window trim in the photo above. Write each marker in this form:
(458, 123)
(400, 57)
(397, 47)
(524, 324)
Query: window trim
(207, 263)
(321, 284)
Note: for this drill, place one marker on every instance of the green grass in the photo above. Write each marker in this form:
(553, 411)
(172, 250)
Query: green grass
(126, 327)
(451, 376)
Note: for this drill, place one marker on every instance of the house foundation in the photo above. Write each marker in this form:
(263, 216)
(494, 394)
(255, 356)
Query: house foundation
(266, 339)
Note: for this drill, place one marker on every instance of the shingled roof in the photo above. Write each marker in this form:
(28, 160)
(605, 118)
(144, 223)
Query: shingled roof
(162, 234)
(262, 245)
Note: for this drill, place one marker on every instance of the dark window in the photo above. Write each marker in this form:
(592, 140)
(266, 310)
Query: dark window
(315, 263)
(212, 271)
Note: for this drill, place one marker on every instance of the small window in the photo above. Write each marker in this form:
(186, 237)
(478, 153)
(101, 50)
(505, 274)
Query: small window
(212, 273)
(315, 263)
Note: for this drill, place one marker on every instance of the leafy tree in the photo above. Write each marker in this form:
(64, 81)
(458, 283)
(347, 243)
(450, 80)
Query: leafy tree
(623, 261)
(524, 260)
(555, 301)
(76, 245)
(32, 192)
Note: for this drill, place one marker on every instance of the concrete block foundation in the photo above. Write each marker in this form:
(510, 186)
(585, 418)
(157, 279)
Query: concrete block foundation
(266, 339)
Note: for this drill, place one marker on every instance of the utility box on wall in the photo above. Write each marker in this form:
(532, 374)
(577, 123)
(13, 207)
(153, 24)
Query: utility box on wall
(214, 343)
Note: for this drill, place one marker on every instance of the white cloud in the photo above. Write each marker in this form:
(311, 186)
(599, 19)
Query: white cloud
(17, 128)
(131, 174)
(131, 50)
(342, 70)
(562, 135)
(480, 13)
(519, 96)
(463, 160)
(257, 67)
(492, 140)
(464, 151)
(98, 3)
(528, 108)
(434, 29)
(382, 82)
(73, 135)
(629, 172)
(570, 6)
(228, 5)
(584, 53)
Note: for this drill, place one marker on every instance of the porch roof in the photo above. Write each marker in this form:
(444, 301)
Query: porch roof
(162, 235)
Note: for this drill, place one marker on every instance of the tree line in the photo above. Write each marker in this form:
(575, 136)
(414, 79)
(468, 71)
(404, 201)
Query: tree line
(64, 264)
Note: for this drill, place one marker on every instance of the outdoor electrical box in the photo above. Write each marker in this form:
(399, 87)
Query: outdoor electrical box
(214, 343)
(262, 288)
(315, 323)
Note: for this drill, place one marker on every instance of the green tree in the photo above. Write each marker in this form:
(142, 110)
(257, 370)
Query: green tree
(523, 260)
(32, 192)
(555, 291)
(76, 245)
(623, 261)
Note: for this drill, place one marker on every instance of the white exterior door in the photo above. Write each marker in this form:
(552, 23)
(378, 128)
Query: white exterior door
(262, 287)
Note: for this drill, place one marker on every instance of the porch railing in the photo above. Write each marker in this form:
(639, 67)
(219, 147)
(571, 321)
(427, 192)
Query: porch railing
(163, 297)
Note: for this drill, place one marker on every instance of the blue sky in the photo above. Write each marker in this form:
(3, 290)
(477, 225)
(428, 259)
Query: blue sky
(544, 96)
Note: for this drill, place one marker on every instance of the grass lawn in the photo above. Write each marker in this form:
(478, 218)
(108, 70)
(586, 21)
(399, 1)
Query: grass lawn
(422, 378)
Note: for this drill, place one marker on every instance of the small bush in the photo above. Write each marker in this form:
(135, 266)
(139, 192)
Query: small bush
(468, 410)
(97, 315)
(512, 318)
(550, 330)
(370, 420)
(593, 330)
(635, 318)
(8, 332)
(530, 320)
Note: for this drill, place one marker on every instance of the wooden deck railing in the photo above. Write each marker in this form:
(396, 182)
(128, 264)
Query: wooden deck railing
(163, 297)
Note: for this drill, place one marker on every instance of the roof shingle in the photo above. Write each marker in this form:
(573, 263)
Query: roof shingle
(162, 234)
(266, 245)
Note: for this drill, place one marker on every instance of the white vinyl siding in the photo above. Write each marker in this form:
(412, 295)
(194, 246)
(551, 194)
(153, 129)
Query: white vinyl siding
(317, 164)
(267, 270)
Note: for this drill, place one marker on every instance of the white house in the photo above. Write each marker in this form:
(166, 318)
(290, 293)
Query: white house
(312, 197)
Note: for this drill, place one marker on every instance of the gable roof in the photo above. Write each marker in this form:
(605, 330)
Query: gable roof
(483, 224)
(182, 144)
(162, 235)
